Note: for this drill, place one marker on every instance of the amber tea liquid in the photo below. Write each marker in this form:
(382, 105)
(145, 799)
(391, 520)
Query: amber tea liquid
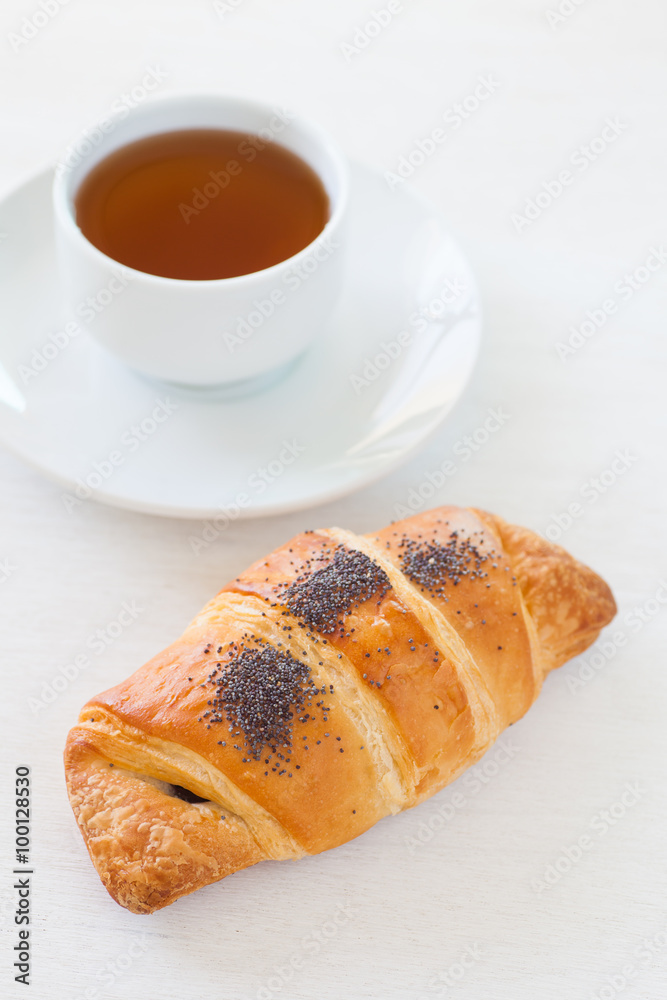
(201, 204)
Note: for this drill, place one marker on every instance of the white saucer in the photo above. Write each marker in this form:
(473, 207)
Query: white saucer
(205, 458)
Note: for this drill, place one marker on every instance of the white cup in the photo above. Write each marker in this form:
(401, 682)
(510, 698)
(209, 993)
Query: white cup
(221, 332)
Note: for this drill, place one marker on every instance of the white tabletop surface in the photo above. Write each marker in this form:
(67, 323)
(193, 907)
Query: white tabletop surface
(484, 874)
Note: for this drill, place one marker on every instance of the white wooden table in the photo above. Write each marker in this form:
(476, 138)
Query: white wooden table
(488, 890)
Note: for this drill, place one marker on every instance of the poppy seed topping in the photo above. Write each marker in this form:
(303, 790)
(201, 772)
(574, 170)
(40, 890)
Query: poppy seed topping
(262, 693)
(321, 598)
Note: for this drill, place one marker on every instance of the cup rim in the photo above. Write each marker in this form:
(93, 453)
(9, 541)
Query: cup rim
(63, 206)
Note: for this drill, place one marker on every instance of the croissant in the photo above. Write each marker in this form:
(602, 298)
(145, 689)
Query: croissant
(341, 679)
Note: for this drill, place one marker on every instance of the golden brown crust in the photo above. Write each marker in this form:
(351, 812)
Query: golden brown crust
(387, 650)
(485, 610)
(418, 671)
(344, 791)
(148, 847)
(566, 600)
